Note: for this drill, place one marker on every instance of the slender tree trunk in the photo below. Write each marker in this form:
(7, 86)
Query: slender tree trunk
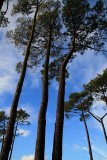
(58, 134)
(104, 130)
(10, 155)
(40, 141)
(88, 138)
(100, 120)
(1, 4)
(13, 112)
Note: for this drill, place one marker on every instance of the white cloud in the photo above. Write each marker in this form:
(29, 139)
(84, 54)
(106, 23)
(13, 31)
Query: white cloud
(8, 75)
(23, 132)
(29, 157)
(77, 147)
(85, 67)
(85, 148)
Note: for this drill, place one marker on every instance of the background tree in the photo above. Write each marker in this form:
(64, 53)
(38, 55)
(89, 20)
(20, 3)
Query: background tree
(21, 120)
(86, 30)
(3, 127)
(13, 113)
(98, 87)
(77, 105)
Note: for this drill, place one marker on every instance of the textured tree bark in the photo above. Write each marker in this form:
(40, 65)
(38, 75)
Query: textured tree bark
(1, 4)
(13, 113)
(88, 137)
(58, 133)
(40, 141)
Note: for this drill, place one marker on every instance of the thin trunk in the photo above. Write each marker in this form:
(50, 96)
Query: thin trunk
(58, 134)
(88, 138)
(104, 130)
(1, 4)
(13, 112)
(100, 120)
(94, 116)
(40, 141)
(10, 155)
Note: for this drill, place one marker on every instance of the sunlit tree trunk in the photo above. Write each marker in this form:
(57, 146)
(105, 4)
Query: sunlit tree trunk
(40, 142)
(13, 113)
(58, 133)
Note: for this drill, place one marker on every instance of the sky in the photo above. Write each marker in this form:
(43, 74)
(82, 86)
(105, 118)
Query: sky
(82, 70)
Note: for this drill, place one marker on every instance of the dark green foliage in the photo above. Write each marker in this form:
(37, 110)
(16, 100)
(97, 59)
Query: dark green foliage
(98, 86)
(48, 20)
(22, 119)
(89, 24)
(3, 124)
(54, 68)
(24, 7)
(3, 20)
(78, 102)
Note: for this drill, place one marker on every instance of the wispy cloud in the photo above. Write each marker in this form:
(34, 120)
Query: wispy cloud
(8, 75)
(23, 132)
(85, 67)
(78, 147)
(100, 154)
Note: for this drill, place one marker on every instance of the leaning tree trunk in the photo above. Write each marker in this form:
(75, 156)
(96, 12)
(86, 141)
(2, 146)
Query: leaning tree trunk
(88, 137)
(58, 133)
(40, 141)
(1, 4)
(13, 112)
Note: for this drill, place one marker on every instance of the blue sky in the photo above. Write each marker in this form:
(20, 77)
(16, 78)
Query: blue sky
(82, 69)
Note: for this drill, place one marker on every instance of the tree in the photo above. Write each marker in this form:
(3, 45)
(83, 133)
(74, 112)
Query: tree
(98, 86)
(77, 105)
(46, 43)
(50, 24)
(21, 119)
(13, 112)
(3, 127)
(86, 30)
